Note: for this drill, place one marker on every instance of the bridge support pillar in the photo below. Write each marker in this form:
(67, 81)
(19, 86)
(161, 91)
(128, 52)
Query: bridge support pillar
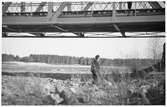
(80, 34)
(4, 34)
(39, 34)
(118, 29)
(123, 34)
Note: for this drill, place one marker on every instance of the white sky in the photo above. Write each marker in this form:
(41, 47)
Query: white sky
(86, 47)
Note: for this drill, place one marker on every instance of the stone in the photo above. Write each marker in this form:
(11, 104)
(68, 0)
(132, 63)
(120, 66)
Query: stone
(48, 88)
(57, 98)
(69, 98)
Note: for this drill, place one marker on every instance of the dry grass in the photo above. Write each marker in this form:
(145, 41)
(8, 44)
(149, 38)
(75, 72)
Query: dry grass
(24, 91)
(116, 88)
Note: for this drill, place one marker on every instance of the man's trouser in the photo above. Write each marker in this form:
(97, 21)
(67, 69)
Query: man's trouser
(96, 77)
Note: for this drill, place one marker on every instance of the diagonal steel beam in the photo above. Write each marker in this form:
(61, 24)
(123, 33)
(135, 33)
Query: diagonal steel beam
(155, 5)
(60, 28)
(117, 28)
(88, 6)
(6, 6)
(8, 28)
(41, 5)
(58, 11)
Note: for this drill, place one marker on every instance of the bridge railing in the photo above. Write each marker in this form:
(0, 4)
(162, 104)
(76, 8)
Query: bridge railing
(108, 13)
(41, 14)
(104, 13)
(140, 12)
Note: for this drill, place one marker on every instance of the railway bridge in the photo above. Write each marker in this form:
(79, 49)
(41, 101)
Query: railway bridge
(82, 17)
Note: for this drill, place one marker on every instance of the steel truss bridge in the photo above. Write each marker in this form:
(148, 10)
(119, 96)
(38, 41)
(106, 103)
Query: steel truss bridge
(82, 17)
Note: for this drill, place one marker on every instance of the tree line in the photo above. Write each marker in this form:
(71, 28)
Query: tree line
(57, 59)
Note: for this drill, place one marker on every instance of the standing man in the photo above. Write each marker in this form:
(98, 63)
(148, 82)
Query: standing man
(163, 59)
(95, 69)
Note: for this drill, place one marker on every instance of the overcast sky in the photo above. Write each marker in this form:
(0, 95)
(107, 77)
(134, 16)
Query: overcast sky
(86, 47)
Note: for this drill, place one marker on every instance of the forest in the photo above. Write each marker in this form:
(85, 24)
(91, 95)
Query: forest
(70, 60)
